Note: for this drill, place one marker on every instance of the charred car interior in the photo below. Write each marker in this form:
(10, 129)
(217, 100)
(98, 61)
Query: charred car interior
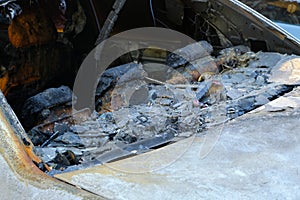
(146, 99)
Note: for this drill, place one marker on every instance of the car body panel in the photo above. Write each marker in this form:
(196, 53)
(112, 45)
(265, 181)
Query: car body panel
(241, 25)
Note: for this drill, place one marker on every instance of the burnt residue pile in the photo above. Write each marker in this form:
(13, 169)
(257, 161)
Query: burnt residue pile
(144, 106)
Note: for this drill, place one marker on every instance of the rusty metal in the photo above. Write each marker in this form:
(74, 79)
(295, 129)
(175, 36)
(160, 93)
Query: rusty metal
(233, 19)
(18, 152)
(31, 27)
(31, 70)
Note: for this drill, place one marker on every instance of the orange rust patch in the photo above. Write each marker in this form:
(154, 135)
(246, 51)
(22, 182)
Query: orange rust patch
(31, 27)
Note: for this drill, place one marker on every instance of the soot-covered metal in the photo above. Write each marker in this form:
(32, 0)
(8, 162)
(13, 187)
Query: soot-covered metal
(146, 99)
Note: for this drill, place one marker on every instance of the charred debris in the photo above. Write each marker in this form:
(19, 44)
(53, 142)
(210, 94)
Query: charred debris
(44, 42)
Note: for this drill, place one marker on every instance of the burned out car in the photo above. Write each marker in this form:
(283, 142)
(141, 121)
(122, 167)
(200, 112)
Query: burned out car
(113, 99)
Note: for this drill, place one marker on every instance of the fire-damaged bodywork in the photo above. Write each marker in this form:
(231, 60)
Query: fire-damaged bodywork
(69, 34)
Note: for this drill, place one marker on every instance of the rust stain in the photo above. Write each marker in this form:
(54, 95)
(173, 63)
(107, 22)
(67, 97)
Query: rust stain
(19, 155)
(13, 151)
(33, 156)
(31, 27)
(16, 76)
